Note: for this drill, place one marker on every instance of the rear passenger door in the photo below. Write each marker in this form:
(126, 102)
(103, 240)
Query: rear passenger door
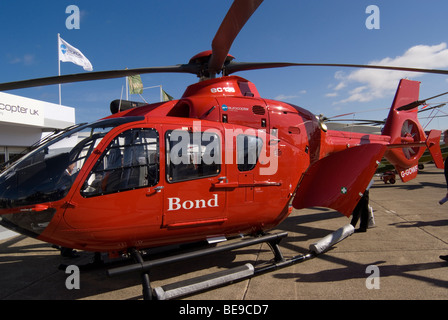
(193, 166)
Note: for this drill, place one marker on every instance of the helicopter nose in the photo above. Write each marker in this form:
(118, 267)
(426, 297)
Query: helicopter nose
(30, 221)
(22, 216)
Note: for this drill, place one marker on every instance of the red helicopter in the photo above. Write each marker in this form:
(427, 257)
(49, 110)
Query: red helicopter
(218, 163)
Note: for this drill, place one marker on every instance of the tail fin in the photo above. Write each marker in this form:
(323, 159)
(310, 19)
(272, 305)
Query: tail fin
(408, 139)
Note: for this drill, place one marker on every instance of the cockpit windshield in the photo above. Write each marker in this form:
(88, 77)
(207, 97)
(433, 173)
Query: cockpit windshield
(47, 173)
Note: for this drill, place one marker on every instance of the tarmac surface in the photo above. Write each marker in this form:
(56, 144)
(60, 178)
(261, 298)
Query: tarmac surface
(396, 260)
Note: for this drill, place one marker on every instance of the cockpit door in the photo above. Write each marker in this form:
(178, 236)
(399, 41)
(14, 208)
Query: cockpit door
(123, 188)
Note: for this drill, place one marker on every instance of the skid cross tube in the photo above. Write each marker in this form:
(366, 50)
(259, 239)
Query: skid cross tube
(145, 266)
(146, 284)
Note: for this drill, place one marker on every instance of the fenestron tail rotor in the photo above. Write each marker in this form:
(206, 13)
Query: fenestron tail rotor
(409, 131)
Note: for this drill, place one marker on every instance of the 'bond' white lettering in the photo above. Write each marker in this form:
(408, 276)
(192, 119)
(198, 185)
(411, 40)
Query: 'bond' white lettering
(176, 204)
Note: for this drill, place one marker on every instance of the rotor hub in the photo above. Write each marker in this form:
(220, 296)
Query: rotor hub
(202, 59)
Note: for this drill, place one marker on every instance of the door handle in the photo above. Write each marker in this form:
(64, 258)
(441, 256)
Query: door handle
(156, 190)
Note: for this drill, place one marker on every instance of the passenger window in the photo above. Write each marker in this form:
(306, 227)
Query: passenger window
(248, 151)
(192, 155)
(131, 161)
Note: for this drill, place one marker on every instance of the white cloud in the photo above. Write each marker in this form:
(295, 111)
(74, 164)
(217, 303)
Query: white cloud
(284, 97)
(374, 84)
(26, 59)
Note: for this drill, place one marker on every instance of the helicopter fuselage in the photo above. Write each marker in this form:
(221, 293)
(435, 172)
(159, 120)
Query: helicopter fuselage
(219, 162)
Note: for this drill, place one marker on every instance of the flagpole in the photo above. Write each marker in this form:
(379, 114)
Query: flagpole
(127, 88)
(59, 71)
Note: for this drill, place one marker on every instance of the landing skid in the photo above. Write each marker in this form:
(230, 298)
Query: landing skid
(190, 286)
(210, 281)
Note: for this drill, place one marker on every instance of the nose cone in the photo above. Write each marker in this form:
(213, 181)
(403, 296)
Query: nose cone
(28, 187)
(34, 180)
(31, 222)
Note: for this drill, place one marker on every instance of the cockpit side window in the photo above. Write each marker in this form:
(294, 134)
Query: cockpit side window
(130, 161)
(48, 172)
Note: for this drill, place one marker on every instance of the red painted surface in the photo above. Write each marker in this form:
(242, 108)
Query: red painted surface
(298, 161)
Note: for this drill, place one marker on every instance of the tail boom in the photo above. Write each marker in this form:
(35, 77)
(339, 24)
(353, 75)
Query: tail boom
(347, 160)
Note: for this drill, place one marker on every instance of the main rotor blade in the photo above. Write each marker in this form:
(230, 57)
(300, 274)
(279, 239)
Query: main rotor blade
(233, 66)
(237, 16)
(358, 121)
(100, 75)
(418, 103)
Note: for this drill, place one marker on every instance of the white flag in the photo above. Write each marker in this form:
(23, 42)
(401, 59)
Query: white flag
(68, 53)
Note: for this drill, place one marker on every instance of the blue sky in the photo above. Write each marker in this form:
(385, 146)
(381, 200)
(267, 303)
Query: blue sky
(144, 33)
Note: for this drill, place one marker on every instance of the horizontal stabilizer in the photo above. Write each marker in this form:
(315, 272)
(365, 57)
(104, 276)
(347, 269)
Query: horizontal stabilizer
(338, 180)
(433, 145)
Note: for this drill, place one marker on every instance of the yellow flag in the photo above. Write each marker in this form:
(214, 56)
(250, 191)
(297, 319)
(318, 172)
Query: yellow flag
(166, 96)
(135, 84)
